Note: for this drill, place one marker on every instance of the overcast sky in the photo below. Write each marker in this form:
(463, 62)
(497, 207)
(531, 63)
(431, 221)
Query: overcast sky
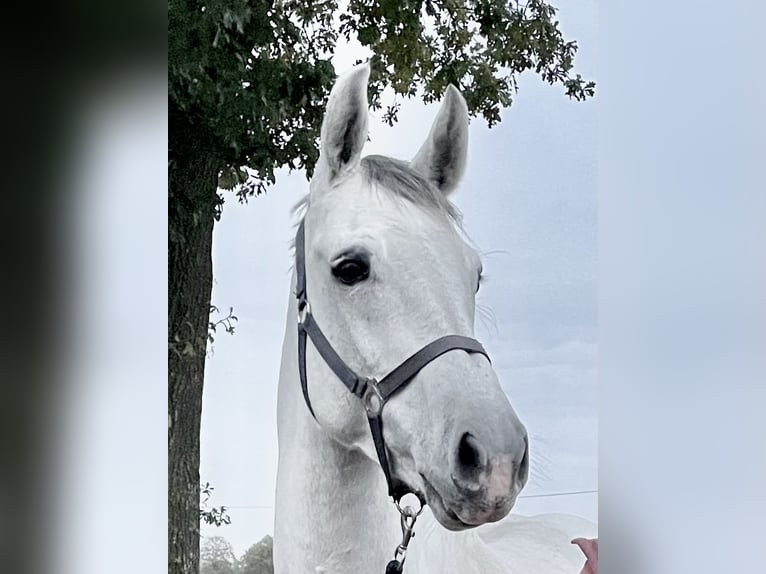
(529, 203)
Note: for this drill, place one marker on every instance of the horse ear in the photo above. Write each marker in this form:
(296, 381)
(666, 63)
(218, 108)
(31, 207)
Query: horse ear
(344, 128)
(442, 157)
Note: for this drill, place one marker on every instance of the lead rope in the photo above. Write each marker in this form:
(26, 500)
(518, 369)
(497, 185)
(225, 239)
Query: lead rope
(408, 517)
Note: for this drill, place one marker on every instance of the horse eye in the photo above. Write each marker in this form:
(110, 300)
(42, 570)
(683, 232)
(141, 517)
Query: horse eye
(351, 271)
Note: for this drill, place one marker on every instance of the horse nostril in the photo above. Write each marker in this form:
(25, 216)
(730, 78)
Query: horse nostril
(471, 456)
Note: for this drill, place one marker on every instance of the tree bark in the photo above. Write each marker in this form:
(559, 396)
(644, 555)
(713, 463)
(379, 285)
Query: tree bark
(192, 183)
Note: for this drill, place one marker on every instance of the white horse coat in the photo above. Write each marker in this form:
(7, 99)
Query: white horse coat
(389, 271)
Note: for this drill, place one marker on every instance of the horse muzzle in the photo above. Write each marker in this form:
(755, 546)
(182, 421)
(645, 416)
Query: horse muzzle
(482, 487)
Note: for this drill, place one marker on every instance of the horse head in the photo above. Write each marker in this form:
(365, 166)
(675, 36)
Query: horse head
(389, 270)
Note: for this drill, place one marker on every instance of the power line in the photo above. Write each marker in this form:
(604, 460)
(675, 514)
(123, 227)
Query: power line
(559, 494)
(547, 495)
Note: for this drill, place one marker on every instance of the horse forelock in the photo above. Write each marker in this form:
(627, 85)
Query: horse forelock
(400, 180)
(397, 177)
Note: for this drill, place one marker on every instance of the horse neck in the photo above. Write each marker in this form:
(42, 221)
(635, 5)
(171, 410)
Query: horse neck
(332, 513)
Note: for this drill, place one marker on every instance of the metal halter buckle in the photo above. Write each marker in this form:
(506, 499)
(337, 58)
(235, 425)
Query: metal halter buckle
(372, 399)
(409, 510)
(304, 309)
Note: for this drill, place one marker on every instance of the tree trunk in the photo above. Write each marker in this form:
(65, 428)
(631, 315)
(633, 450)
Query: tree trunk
(192, 182)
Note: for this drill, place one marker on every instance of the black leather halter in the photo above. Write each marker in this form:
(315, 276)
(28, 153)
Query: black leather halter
(373, 394)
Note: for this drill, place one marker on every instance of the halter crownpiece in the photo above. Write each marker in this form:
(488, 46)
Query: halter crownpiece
(373, 394)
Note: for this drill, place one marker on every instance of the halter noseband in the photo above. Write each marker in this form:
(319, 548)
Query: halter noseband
(373, 394)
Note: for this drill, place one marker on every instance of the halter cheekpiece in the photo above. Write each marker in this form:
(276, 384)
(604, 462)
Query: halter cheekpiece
(373, 394)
